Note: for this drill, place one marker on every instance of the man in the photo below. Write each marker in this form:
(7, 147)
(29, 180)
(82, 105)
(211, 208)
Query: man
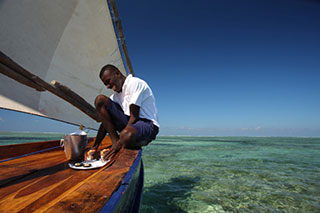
(131, 111)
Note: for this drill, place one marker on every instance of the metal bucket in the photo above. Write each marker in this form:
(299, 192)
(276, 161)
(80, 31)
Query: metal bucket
(74, 147)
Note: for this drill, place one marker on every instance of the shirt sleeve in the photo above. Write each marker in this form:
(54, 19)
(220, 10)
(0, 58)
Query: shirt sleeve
(112, 97)
(139, 93)
(115, 98)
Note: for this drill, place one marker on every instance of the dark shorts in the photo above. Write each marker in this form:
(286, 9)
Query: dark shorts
(146, 130)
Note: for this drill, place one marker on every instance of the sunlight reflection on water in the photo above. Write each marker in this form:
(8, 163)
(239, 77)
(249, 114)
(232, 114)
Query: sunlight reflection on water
(218, 174)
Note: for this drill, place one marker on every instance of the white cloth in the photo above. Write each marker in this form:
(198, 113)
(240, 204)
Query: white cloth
(137, 91)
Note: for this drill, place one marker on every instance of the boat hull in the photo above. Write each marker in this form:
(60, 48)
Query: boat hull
(131, 189)
(42, 181)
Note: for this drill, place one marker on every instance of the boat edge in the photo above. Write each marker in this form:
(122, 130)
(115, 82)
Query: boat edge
(114, 203)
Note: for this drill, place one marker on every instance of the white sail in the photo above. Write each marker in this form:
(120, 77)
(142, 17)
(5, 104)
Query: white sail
(67, 41)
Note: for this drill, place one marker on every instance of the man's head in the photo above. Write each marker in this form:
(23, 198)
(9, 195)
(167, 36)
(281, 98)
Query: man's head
(112, 77)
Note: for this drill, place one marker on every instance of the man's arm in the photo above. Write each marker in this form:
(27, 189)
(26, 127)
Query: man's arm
(92, 153)
(100, 135)
(134, 114)
(116, 147)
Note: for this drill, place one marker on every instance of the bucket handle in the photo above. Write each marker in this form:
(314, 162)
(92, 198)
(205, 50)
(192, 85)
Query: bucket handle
(62, 146)
(62, 143)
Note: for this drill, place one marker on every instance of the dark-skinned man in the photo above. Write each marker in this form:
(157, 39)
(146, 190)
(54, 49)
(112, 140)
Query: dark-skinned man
(130, 111)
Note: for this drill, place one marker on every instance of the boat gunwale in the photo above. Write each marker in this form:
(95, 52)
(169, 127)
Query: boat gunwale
(118, 194)
(120, 187)
(19, 150)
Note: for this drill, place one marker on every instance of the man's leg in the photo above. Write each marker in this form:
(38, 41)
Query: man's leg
(138, 134)
(134, 136)
(101, 106)
(127, 139)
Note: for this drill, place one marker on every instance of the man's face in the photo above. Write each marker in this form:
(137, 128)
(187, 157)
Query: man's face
(112, 81)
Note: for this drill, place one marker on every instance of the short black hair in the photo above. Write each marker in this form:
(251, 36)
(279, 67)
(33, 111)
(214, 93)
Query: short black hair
(108, 67)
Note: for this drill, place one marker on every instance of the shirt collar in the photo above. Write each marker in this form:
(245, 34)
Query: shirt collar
(126, 81)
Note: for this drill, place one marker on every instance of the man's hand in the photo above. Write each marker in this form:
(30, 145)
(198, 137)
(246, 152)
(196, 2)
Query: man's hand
(107, 154)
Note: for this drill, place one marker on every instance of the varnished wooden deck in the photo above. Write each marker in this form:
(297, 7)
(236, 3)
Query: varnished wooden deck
(43, 182)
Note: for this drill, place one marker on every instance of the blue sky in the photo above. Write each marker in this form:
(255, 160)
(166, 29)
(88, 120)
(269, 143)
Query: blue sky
(227, 67)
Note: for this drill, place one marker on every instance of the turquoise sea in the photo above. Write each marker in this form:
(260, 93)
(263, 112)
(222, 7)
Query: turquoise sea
(224, 174)
(232, 174)
(27, 137)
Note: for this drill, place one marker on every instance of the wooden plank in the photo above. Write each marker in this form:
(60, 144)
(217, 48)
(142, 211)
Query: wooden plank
(91, 196)
(44, 182)
(16, 170)
(9, 151)
(14, 150)
(53, 186)
(24, 174)
(38, 185)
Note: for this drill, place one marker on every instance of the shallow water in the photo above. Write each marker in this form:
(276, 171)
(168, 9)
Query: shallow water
(223, 174)
(27, 137)
(232, 174)
(30, 137)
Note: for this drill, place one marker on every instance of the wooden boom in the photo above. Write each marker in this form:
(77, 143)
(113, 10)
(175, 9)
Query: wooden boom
(13, 70)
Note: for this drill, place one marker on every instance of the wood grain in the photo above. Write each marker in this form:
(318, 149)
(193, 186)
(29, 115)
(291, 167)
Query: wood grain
(9, 151)
(44, 182)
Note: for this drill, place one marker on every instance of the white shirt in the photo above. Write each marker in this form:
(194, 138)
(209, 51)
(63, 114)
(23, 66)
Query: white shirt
(136, 91)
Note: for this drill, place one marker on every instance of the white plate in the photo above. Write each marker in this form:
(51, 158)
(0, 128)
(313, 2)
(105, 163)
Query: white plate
(94, 164)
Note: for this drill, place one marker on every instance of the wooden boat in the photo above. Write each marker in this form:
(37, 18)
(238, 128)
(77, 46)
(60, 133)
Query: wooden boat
(42, 181)
(65, 43)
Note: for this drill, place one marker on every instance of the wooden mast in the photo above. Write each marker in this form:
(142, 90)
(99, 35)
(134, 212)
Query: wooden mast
(123, 44)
